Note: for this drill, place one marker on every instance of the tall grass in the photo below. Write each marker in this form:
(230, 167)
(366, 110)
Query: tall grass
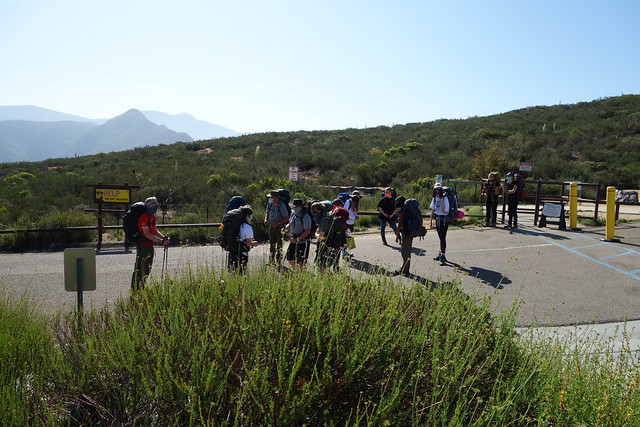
(25, 344)
(210, 348)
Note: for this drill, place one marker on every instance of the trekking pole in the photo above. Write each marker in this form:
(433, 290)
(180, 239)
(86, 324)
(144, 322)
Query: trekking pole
(165, 258)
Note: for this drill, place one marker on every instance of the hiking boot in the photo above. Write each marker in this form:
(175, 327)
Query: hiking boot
(443, 260)
(486, 224)
(384, 241)
(508, 226)
(438, 257)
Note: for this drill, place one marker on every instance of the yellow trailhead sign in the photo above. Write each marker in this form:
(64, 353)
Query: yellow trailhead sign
(112, 195)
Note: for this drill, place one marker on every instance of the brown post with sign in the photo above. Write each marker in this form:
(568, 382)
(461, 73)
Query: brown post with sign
(115, 194)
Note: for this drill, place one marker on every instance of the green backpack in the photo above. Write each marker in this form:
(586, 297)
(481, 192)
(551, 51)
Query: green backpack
(230, 237)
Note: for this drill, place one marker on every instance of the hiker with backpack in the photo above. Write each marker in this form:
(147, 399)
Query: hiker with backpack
(238, 259)
(409, 227)
(330, 235)
(513, 198)
(387, 213)
(145, 234)
(299, 228)
(440, 209)
(234, 203)
(275, 217)
(491, 188)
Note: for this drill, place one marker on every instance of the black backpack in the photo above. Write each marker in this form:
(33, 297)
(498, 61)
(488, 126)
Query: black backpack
(314, 224)
(285, 197)
(336, 237)
(450, 193)
(230, 237)
(413, 219)
(234, 203)
(130, 222)
(520, 180)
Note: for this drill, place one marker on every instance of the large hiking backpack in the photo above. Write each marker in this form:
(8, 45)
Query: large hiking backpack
(285, 197)
(520, 180)
(230, 237)
(234, 203)
(336, 237)
(130, 222)
(413, 219)
(343, 214)
(450, 193)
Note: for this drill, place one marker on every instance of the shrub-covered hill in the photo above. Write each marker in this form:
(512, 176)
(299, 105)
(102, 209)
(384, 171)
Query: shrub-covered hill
(596, 141)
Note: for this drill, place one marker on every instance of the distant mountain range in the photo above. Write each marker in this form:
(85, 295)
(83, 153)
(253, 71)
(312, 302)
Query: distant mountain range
(30, 133)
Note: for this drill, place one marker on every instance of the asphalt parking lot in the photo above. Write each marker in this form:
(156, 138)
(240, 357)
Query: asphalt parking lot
(560, 277)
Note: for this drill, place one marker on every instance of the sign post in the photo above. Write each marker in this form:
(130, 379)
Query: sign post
(79, 271)
(293, 176)
(115, 194)
(293, 173)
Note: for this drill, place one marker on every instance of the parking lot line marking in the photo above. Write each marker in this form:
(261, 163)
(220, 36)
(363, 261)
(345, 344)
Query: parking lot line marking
(504, 249)
(616, 255)
(596, 260)
(590, 246)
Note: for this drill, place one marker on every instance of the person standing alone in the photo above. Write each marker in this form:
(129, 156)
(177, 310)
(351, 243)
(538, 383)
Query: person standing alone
(149, 235)
(440, 212)
(387, 213)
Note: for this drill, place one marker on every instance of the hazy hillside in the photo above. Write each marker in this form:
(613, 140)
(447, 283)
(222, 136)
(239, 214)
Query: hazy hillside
(32, 143)
(129, 130)
(22, 140)
(197, 129)
(39, 114)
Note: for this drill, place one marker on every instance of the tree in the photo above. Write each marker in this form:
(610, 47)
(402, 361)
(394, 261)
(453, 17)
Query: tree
(488, 160)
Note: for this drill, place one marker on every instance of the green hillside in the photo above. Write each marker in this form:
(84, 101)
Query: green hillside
(596, 141)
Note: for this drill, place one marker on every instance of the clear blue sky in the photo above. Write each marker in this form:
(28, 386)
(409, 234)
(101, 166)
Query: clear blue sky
(256, 66)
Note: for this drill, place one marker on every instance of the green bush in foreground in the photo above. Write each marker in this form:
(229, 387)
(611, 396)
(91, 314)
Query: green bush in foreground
(282, 350)
(270, 349)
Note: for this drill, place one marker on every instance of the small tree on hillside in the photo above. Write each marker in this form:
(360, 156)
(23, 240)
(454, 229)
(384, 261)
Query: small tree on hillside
(490, 159)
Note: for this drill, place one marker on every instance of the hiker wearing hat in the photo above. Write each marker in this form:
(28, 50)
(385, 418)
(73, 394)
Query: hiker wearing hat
(275, 217)
(440, 212)
(299, 228)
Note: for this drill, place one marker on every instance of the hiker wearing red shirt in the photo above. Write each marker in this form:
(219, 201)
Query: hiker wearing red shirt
(144, 247)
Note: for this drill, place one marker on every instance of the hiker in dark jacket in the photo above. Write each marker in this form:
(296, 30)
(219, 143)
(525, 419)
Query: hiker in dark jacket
(513, 198)
(491, 188)
(406, 241)
(387, 215)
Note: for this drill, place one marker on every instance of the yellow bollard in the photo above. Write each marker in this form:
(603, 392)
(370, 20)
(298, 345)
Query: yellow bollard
(573, 205)
(610, 232)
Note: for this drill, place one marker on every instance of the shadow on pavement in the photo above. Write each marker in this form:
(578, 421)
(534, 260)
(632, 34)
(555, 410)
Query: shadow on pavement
(369, 268)
(532, 232)
(492, 278)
